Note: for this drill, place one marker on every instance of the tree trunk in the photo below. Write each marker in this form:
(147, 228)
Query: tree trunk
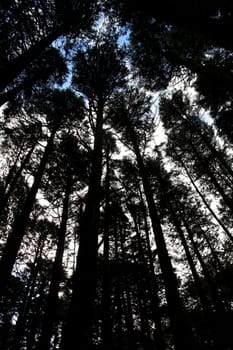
(13, 68)
(206, 203)
(118, 290)
(143, 285)
(12, 169)
(26, 304)
(196, 128)
(19, 227)
(129, 312)
(213, 179)
(218, 265)
(183, 337)
(155, 305)
(5, 331)
(10, 94)
(200, 291)
(78, 329)
(204, 137)
(11, 185)
(106, 301)
(33, 325)
(52, 302)
(221, 315)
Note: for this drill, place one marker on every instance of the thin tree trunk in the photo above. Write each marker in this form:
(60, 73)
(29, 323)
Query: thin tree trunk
(6, 326)
(155, 305)
(10, 94)
(206, 203)
(218, 303)
(25, 84)
(143, 307)
(204, 137)
(19, 227)
(34, 323)
(129, 312)
(52, 302)
(106, 302)
(216, 299)
(118, 289)
(183, 337)
(201, 293)
(12, 183)
(26, 304)
(142, 281)
(213, 179)
(196, 128)
(12, 169)
(218, 263)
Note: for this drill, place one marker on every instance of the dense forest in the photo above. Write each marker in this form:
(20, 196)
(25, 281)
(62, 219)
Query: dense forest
(116, 177)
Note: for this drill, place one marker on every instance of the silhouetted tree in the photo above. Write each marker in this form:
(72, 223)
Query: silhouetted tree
(62, 105)
(98, 74)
